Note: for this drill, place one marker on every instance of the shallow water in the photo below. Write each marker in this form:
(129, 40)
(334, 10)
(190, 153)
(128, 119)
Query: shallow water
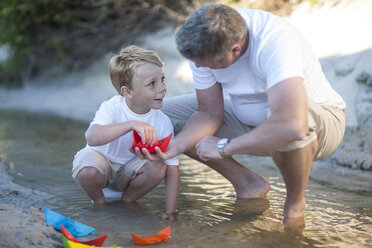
(38, 150)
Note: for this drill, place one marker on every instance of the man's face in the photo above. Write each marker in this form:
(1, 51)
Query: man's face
(216, 64)
(233, 55)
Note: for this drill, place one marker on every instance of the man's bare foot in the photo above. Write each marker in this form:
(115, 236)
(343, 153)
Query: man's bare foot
(294, 224)
(252, 206)
(294, 210)
(253, 186)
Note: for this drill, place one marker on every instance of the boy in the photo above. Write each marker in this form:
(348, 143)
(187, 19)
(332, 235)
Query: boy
(107, 160)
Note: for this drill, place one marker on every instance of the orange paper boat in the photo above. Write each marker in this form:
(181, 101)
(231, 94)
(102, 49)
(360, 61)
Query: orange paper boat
(153, 239)
(162, 143)
(96, 242)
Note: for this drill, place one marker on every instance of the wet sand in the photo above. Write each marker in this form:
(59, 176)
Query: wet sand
(22, 222)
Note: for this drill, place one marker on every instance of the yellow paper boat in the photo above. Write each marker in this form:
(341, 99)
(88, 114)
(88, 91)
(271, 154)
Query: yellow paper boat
(71, 244)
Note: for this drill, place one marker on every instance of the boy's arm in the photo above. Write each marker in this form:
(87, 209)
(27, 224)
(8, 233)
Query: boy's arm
(172, 188)
(98, 135)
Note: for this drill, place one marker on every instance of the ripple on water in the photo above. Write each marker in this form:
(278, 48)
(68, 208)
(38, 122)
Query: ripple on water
(42, 148)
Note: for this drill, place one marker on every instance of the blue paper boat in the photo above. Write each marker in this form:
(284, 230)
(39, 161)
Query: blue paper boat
(77, 229)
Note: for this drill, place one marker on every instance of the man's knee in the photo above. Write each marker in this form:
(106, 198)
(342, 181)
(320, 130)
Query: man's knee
(179, 109)
(156, 169)
(307, 152)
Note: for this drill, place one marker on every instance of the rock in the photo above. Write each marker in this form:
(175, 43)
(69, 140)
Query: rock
(364, 77)
(344, 70)
(369, 81)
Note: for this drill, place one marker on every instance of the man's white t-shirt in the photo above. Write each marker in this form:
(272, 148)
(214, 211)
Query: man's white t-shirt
(276, 51)
(115, 110)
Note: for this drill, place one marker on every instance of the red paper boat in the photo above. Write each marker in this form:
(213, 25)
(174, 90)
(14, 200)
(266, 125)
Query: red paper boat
(162, 143)
(153, 239)
(96, 242)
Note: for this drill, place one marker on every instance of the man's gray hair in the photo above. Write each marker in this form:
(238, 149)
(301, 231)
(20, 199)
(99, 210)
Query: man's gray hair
(210, 32)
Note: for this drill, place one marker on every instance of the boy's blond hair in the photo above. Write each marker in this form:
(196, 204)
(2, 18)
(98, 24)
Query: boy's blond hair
(122, 67)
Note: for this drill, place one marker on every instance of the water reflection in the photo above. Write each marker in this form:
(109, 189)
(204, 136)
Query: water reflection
(38, 151)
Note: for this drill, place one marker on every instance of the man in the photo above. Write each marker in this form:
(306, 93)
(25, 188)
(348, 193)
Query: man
(280, 105)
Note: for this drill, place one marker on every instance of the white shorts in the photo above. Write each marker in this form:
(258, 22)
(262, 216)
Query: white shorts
(118, 179)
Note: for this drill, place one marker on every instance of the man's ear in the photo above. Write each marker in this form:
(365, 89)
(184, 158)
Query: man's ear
(126, 92)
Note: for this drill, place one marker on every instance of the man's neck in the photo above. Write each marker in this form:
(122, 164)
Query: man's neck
(245, 43)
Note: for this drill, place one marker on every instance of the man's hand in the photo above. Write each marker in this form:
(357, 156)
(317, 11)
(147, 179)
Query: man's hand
(207, 148)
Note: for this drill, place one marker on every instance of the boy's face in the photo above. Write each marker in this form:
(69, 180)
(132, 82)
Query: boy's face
(148, 89)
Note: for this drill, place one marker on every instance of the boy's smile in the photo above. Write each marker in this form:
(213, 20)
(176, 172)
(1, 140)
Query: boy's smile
(148, 89)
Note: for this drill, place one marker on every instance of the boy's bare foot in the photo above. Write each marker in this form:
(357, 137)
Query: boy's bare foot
(169, 217)
(99, 205)
(99, 202)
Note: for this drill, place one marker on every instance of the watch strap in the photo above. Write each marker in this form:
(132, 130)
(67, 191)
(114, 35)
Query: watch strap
(221, 148)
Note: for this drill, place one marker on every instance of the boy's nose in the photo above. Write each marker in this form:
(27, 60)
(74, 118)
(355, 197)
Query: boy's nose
(163, 87)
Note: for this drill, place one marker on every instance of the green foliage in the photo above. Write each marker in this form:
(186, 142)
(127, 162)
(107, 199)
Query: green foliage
(230, 2)
(21, 22)
(72, 33)
(313, 2)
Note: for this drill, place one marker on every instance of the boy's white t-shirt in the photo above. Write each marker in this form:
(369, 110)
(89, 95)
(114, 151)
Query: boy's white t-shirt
(115, 110)
(276, 51)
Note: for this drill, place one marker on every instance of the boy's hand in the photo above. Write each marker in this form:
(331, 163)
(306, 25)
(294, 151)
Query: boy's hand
(170, 217)
(143, 153)
(147, 132)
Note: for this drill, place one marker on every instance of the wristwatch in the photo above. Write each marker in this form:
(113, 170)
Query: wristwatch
(221, 146)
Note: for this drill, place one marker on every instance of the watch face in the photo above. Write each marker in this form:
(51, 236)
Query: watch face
(222, 142)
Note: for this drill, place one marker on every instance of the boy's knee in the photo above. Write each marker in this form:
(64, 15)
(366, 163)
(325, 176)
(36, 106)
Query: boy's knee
(156, 169)
(88, 173)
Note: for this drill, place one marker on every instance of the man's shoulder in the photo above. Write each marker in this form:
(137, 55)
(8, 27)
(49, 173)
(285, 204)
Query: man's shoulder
(255, 14)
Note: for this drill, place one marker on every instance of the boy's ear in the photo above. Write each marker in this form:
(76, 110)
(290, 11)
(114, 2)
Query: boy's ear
(236, 50)
(126, 92)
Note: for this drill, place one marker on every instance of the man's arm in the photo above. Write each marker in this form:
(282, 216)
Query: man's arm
(288, 122)
(205, 121)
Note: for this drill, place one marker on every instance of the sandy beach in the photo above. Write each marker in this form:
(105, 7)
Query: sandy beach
(347, 65)
(22, 222)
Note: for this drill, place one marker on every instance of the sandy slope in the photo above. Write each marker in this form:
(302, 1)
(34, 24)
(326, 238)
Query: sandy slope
(22, 221)
(339, 31)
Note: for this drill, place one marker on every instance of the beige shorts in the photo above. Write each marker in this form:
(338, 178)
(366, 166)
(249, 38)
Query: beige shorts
(327, 124)
(117, 176)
